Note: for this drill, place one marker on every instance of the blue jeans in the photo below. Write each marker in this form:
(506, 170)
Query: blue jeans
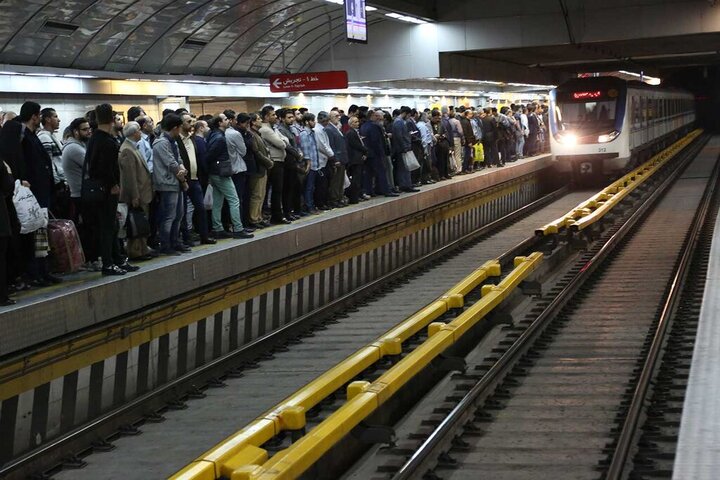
(224, 189)
(310, 189)
(171, 213)
(519, 145)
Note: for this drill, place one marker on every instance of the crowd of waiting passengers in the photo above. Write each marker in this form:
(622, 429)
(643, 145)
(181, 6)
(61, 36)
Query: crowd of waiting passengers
(114, 192)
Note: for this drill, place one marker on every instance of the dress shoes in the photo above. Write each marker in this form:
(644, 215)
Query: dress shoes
(409, 189)
(7, 302)
(182, 248)
(222, 234)
(128, 268)
(392, 194)
(280, 221)
(242, 235)
(54, 279)
(112, 270)
(208, 241)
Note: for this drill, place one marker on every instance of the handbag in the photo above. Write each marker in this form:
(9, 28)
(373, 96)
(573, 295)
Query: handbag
(225, 168)
(137, 225)
(410, 161)
(91, 190)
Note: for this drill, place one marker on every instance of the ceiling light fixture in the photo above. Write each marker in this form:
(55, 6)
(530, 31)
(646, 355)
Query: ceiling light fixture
(405, 18)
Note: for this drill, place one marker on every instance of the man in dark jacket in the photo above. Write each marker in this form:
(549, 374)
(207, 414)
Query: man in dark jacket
(30, 163)
(470, 140)
(294, 162)
(339, 148)
(6, 190)
(357, 154)
(103, 167)
(401, 143)
(374, 138)
(489, 138)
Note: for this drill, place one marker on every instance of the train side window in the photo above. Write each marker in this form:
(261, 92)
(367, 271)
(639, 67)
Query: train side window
(635, 109)
(651, 109)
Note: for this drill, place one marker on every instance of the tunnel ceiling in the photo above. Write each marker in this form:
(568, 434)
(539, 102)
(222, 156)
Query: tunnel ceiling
(227, 38)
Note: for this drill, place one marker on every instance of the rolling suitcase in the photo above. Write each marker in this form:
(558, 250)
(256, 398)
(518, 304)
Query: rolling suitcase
(66, 253)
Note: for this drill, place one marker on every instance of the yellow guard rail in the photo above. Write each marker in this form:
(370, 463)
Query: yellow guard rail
(251, 462)
(243, 447)
(597, 206)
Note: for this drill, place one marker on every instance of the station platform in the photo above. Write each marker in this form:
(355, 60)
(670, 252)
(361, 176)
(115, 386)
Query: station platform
(698, 450)
(87, 299)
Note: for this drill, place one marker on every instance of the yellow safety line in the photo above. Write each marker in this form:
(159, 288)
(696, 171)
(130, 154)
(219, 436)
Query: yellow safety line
(21, 374)
(594, 208)
(240, 456)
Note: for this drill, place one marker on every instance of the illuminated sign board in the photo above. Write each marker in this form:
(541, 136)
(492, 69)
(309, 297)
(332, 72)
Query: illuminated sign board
(586, 95)
(355, 21)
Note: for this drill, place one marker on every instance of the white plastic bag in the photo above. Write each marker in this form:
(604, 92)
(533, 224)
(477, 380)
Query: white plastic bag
(29, 213)
(122, 215)
(346, 181)
(208, 199)
(410, 161)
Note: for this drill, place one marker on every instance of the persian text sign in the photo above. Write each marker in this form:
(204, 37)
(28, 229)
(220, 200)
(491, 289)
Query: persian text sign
(299, 82)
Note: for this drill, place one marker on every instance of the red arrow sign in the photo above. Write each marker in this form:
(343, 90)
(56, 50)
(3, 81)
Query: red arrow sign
(299, 82)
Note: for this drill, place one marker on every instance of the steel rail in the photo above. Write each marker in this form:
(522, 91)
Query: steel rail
(442, 435)
(627, 436)
(100, 429)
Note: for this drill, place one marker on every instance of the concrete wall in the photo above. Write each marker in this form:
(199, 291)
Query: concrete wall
(395, 50)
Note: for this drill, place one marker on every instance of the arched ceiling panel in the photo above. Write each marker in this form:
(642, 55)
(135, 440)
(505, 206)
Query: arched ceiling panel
(89, 15)
(257, 33)
(221, 31)
(281, 53)
(192, 37)
(128, 53)
(166, 55)
(20, 23)
(126, 28)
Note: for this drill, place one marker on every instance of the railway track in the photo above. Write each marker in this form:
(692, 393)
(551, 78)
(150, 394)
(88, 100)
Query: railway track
(132, 438)
(560, 393)
(154, 441)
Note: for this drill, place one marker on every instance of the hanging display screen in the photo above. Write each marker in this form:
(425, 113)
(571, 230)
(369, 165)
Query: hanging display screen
(355, 21)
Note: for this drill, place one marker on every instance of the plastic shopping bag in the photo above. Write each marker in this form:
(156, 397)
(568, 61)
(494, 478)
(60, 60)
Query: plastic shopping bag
(29, 213)
(479, 152)
(346, 181)
(208, 199)
(410, 161)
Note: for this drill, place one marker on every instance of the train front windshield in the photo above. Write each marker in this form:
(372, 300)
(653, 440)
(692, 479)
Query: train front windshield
(586, 117)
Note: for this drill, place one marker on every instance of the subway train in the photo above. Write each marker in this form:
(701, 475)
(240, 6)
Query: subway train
(602, 127)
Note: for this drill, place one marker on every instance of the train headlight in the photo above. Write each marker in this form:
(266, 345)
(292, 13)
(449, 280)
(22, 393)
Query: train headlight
(568, 139)
(609, 137)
